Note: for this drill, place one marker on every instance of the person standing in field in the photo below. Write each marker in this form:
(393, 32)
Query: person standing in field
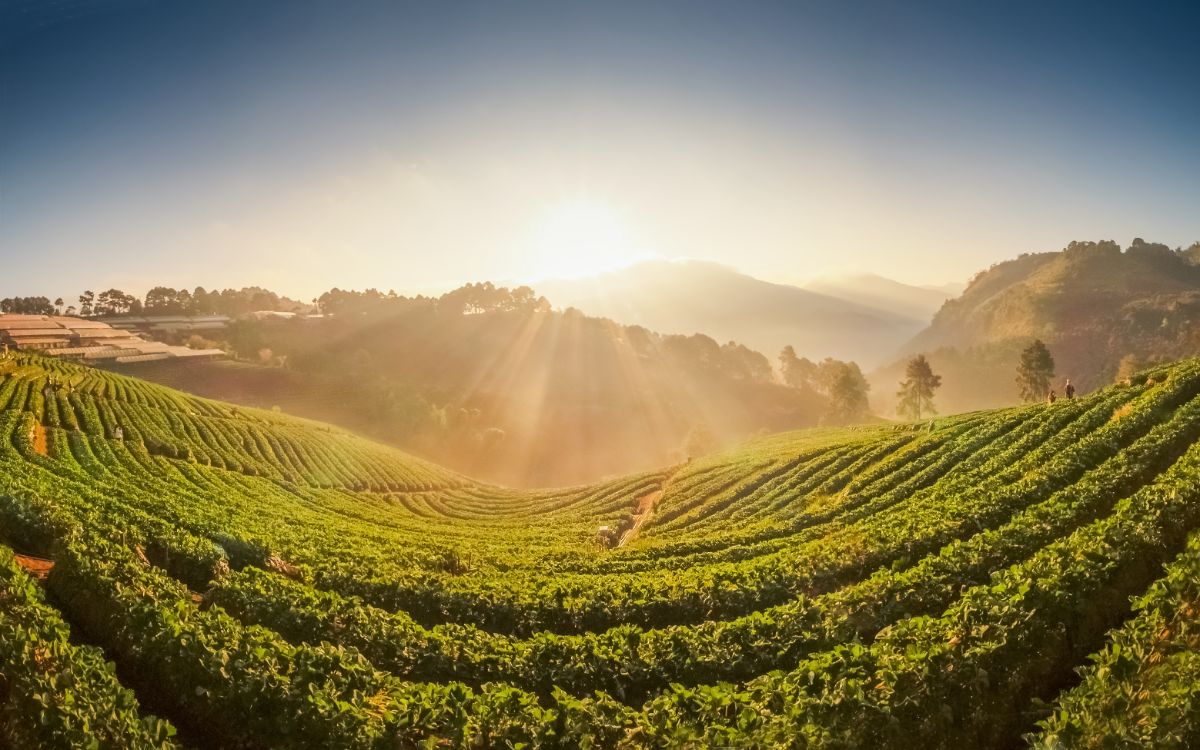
(1051, 397)
(1069, 390)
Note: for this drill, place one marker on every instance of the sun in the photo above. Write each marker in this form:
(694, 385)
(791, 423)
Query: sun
(582, 237)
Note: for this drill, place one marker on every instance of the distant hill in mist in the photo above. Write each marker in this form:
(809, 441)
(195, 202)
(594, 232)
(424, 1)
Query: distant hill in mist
(864, 320)
(879, 293)
(1091, 303)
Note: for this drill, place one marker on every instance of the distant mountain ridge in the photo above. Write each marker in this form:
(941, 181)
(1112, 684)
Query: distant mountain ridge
(880, 293)
(690, 296)
(1092, 303)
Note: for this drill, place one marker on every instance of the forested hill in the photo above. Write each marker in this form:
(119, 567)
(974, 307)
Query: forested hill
(1092, 303)
(494, 383)
(265, 583)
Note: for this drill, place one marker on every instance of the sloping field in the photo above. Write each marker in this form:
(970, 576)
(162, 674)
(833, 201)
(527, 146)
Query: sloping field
(216, 576)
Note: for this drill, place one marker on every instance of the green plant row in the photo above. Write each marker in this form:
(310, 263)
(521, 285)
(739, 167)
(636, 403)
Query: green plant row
(53, 693)
(1143, 689)
(631, 663)
(968, 677)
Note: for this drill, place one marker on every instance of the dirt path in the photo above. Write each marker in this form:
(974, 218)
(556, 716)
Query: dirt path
(37, 567)
(644, 509)
(39, 439)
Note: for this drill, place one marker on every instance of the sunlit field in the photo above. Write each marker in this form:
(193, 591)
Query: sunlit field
(683, 375)
(840, 585)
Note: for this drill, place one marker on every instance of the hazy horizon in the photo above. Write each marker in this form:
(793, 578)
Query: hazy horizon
(303, 146)
(434, 290)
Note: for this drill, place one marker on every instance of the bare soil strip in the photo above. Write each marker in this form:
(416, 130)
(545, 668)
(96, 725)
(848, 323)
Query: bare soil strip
(39, 438)
(37, 567)
(644, 509)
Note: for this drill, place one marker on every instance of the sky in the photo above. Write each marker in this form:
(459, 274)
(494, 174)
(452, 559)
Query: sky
(303, 145)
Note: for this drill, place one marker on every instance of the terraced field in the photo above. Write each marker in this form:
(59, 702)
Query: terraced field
(177, 572)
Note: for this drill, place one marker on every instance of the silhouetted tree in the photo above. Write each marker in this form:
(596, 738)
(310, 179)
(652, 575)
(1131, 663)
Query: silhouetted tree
(847, 395)
(85, 303)
(27, 305)
(1034, 372)
(796, 371)
(743, 363)
(162, 300)
(916, 392)
(116, 302)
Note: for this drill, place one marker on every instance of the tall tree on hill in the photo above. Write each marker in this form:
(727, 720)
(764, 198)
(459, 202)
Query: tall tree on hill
(85, 303)
(847, 395)
(796, 371)
(116, 302)
(743, 363)
(1035, 371)
(916, 392)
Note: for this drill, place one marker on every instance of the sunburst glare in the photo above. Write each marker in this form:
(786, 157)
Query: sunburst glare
(582, 237)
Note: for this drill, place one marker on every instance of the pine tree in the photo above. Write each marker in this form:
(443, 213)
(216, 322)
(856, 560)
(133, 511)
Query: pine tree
(916, 392)
(1035, 371)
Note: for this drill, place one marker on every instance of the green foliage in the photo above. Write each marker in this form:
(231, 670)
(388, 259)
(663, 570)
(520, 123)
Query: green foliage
(53, 693)
(268, 582)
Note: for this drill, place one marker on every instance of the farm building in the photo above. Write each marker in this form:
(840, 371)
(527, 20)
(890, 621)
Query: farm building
(169, 323)
(88, 340)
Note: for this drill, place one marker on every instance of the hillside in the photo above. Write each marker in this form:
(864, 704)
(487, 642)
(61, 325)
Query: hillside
(493, 383)
(1091, 303)
(261, 581)
(687, 296)
(879, 293)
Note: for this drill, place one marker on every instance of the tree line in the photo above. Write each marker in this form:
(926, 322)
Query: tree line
(164, 300)
(470, 299)
(161, 300)
(843, 384)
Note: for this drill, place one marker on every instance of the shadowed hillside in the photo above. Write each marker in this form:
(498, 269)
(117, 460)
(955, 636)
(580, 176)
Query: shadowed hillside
(1091, 303)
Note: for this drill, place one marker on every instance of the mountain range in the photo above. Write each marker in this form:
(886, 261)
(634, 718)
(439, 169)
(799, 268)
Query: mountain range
(861, 318)
(1093, 303)
(498, 384)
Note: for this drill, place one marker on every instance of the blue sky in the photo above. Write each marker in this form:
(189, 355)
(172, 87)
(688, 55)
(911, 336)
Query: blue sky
(301, 145)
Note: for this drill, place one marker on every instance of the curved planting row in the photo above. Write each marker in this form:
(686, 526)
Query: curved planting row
(267, 582)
